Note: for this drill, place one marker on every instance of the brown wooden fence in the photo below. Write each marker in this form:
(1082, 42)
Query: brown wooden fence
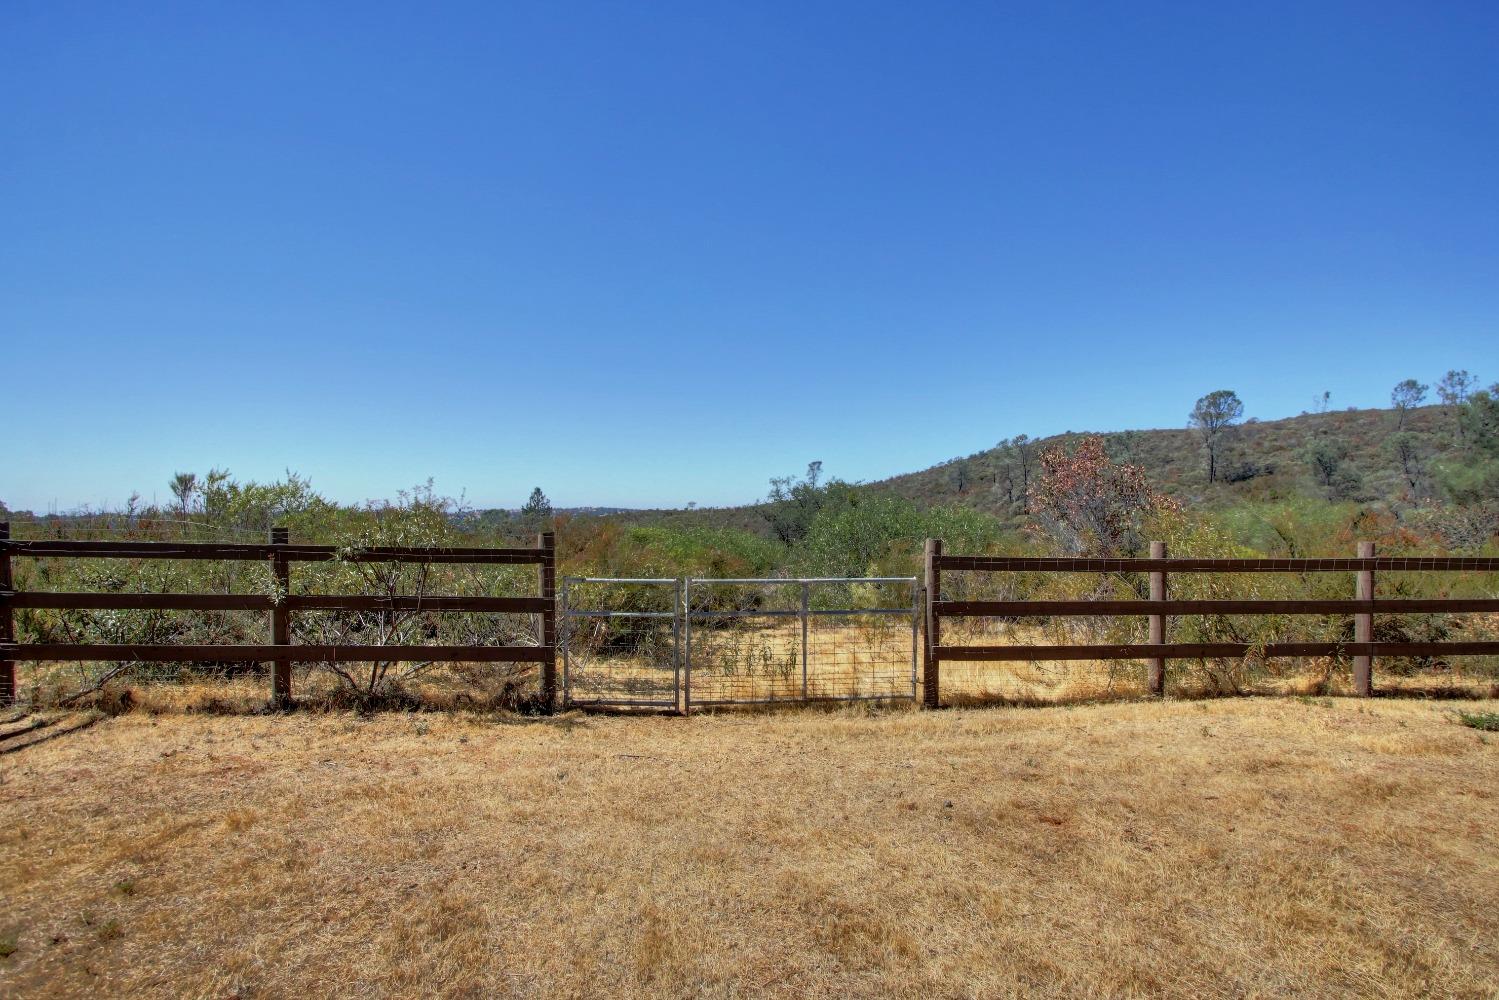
(1363, 605)
(281, 652)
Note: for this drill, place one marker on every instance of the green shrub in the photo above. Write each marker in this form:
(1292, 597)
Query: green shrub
(1486, 721)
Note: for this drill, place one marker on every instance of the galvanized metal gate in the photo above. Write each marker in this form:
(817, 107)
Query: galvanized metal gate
(621, 642)
(700, 642)
(758, 641)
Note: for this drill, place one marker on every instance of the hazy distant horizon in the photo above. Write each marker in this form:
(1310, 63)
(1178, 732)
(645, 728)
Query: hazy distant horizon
(161, 496)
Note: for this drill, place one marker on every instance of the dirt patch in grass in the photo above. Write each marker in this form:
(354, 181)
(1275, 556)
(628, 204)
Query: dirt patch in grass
(1224, 848)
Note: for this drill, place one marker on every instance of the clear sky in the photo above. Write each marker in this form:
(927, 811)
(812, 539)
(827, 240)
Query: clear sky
(645, 254)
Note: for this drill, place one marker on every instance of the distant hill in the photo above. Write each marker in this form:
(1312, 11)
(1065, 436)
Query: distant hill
(1263, 459)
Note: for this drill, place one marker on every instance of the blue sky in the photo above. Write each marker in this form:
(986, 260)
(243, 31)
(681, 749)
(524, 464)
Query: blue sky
(648, 254)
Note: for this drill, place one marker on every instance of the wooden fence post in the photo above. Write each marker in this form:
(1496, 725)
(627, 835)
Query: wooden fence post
(281, 620)
(931, 669)
(1363, 625)
(7, 621)
(1157, 672)
(547, 578)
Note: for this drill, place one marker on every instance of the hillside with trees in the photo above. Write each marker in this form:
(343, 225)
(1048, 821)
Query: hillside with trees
(1425, 448)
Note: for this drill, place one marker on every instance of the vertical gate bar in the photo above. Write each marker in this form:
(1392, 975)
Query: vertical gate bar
(1157, 671)
(931, 668)
(566, 640)
(547, 579)
(676, 643)
(281, 620)
(687, 643)
(806, 605)
(7, 620)
(1363, 625)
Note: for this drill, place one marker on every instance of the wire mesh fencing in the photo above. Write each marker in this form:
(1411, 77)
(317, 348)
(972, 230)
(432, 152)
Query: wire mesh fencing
(621, 642)
(697, 643)
(760, 641)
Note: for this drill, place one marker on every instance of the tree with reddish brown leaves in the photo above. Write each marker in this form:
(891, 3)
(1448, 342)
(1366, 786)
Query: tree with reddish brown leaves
(1091, 505)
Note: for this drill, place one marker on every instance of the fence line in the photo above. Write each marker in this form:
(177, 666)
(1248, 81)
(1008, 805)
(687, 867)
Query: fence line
(280, 652)
(1364, 605)
(793, 663)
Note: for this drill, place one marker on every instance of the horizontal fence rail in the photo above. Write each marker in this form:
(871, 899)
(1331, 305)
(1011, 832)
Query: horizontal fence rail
(1189, 650)
(280, 652)
(225, 653)
(292, 553)
(1081, 564)
(1362, 606)
(258, 602)
(1048, 609)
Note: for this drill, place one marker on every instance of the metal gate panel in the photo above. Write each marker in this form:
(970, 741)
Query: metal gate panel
(621, 642)
(762, 641)
(862, 638)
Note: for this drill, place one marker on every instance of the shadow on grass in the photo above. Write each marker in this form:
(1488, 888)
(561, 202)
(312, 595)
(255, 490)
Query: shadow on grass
(1430, 692)
(509, 705)
(1439, 692)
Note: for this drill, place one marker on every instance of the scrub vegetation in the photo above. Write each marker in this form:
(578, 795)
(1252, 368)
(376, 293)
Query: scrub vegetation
(1416, 479)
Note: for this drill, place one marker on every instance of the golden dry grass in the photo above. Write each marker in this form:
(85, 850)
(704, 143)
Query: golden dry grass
(874, 661)
(1253, 847)
(755, 662)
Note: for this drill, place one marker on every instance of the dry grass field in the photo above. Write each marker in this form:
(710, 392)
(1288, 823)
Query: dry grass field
(1247, 847)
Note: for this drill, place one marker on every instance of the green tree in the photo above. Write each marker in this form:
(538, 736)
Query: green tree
(1410, 454)
(1406, 396)
(1471, 476)
(1453, 390)
(1123, 446)
(1479, 420)
(1326, 456)
(537, 510)
(962, 475)
(859, 538)
(183, 485)
(1017, 464)
(792, 505)
(251, 509)
(1212, 417)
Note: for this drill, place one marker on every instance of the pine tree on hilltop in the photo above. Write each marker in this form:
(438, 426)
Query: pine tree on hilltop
(537, 511)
